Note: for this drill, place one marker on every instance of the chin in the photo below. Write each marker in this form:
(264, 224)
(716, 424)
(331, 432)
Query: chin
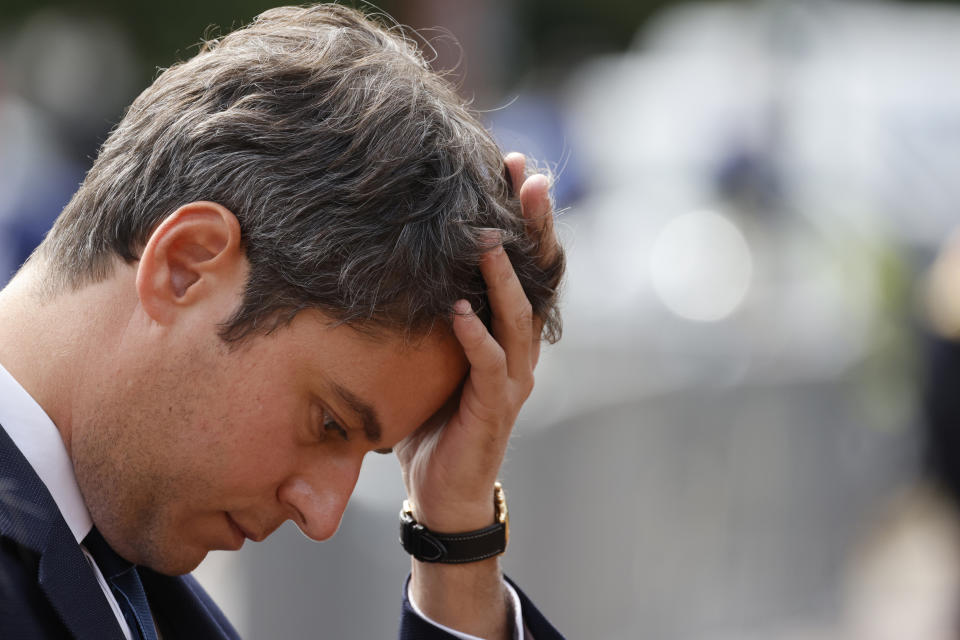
(176, 564)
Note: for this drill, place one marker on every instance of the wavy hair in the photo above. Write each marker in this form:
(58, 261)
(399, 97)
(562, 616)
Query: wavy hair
(362, 182)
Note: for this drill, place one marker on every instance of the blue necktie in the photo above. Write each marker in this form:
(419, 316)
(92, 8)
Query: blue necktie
(125, 583)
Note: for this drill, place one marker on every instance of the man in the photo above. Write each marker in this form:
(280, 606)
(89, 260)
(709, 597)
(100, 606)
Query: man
(296, 248)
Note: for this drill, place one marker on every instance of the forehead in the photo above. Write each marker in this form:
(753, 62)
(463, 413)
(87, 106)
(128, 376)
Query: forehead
(401, 381)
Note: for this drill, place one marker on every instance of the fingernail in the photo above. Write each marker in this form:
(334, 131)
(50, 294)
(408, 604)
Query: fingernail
(462, 308)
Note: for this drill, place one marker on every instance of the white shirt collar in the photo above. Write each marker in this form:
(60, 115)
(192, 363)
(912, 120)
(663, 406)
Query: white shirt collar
(38, 439)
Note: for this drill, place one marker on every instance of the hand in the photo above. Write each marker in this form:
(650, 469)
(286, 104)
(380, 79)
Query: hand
(449, 470)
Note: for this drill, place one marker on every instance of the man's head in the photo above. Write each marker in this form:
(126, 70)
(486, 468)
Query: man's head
(264, 259)
(361, 182)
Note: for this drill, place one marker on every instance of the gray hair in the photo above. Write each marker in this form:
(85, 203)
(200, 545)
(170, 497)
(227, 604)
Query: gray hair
(362, 183)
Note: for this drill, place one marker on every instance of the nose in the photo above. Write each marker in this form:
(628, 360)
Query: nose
(317, 497)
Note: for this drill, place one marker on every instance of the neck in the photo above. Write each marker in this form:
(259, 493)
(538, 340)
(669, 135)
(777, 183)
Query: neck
(51, 344)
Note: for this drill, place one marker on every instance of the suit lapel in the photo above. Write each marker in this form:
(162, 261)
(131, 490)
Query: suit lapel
(30, 517)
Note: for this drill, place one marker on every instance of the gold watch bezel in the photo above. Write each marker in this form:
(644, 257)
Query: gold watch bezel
(503, 514)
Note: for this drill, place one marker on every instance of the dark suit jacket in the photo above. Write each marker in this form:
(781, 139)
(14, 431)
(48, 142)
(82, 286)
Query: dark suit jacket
(48, 590)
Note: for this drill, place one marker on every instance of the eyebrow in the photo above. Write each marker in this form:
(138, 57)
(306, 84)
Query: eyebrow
(371, 424)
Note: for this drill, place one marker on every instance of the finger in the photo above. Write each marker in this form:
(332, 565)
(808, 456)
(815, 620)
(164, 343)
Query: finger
(488, 363)
(535, 343)
(512, 312)
(538, 214)
(516, 170)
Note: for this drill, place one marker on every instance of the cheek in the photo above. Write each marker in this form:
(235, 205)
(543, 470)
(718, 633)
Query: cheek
(253, 444)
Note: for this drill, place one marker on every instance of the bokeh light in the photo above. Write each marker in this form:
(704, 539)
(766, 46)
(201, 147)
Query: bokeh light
(701, 266)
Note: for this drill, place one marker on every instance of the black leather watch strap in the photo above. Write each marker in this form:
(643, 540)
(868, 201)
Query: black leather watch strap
(452, 548)
(455, 548)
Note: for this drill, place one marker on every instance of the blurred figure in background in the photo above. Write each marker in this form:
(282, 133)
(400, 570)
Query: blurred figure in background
(941, 398)
(904, 578)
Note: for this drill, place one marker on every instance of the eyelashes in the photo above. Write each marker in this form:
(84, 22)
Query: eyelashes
(330, 426)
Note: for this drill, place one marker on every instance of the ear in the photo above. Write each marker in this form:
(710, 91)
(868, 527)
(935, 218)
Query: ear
(194, 255)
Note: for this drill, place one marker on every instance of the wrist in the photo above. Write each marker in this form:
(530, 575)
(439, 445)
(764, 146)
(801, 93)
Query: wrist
(462, 539)
(471, 598)
(454, 518)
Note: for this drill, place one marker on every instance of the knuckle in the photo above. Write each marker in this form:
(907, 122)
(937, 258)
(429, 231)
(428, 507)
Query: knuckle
(478, 347)
(482, 413)
(472, 339)
(524, 317)
(528, 384)
(498, 362)
(476, 335)
(505, 275)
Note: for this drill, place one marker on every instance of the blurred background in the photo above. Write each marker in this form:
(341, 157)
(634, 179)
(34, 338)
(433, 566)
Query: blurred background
(750, 428)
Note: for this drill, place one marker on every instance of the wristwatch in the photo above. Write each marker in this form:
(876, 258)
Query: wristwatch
(456, 548)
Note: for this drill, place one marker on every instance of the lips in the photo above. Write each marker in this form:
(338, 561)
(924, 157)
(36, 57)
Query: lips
(245, 533)
(240, 535)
